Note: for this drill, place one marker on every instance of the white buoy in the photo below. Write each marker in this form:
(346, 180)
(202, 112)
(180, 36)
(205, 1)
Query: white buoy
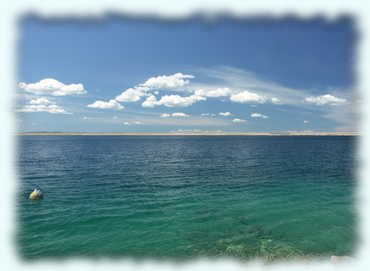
(36, 194)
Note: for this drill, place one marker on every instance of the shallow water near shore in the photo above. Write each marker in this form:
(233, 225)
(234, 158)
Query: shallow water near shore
(187, 196)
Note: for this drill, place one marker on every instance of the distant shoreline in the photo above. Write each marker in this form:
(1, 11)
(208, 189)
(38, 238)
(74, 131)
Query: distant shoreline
(189, 134)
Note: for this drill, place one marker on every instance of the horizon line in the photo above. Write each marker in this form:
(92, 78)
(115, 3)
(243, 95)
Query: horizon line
(190, 133)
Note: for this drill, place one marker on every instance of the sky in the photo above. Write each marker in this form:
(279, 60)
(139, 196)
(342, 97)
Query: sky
(141, 75)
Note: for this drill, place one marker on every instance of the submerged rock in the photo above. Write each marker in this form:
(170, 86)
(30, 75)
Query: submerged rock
(236, 251)
(271, 250)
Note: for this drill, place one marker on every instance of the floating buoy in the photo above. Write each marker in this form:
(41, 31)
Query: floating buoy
(36, 194)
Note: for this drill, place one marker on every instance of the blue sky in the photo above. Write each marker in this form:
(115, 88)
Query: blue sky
(131, 75)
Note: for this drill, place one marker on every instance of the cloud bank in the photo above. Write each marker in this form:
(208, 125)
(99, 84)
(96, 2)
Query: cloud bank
(236, 85)
(220, 84)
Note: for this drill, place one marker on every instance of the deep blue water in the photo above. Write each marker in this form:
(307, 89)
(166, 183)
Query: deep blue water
(187, 196)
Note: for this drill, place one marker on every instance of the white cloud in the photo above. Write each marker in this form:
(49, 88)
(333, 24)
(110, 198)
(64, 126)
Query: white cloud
(52, 109)
(247, 97)
(176, 115)
(325, 99)
(238, 79)
(131, 95)
(208, 115)
(225, 114)
(151, 101)
(132, 123)
(41, 100)
(239, 121)
(275, 100)
(173, 81)
(179, 101)
(165, 115)
(213, 93)
(180, 114)
(111, 104)
(172, 101)
(306, 121)
(43, 104)
(259, 115)
(50, 86)
(167, 81)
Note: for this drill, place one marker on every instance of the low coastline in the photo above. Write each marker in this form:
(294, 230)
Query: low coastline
(187, 134)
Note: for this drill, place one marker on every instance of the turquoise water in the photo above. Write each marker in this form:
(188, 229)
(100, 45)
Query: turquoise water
(190, 196)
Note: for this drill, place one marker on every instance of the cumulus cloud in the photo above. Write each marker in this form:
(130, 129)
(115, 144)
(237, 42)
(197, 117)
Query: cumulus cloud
(225, 114)
(259, 115)
(153, 84)
(213, 93)
(43, 104)
(151, 101)
(111, 104)
(168, 81)
(172, 101)
(326, 99)
(247, 97)
(53, 87)
(131, 95)
(239, 121)
(306, 121)
(179, 101)
(176, 115)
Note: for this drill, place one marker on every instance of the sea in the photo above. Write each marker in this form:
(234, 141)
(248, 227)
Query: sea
(184, 197)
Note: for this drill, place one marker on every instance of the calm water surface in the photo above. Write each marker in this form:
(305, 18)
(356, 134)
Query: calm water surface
(186, 196)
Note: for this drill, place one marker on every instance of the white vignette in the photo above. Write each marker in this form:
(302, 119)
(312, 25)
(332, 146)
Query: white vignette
(9, 15)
